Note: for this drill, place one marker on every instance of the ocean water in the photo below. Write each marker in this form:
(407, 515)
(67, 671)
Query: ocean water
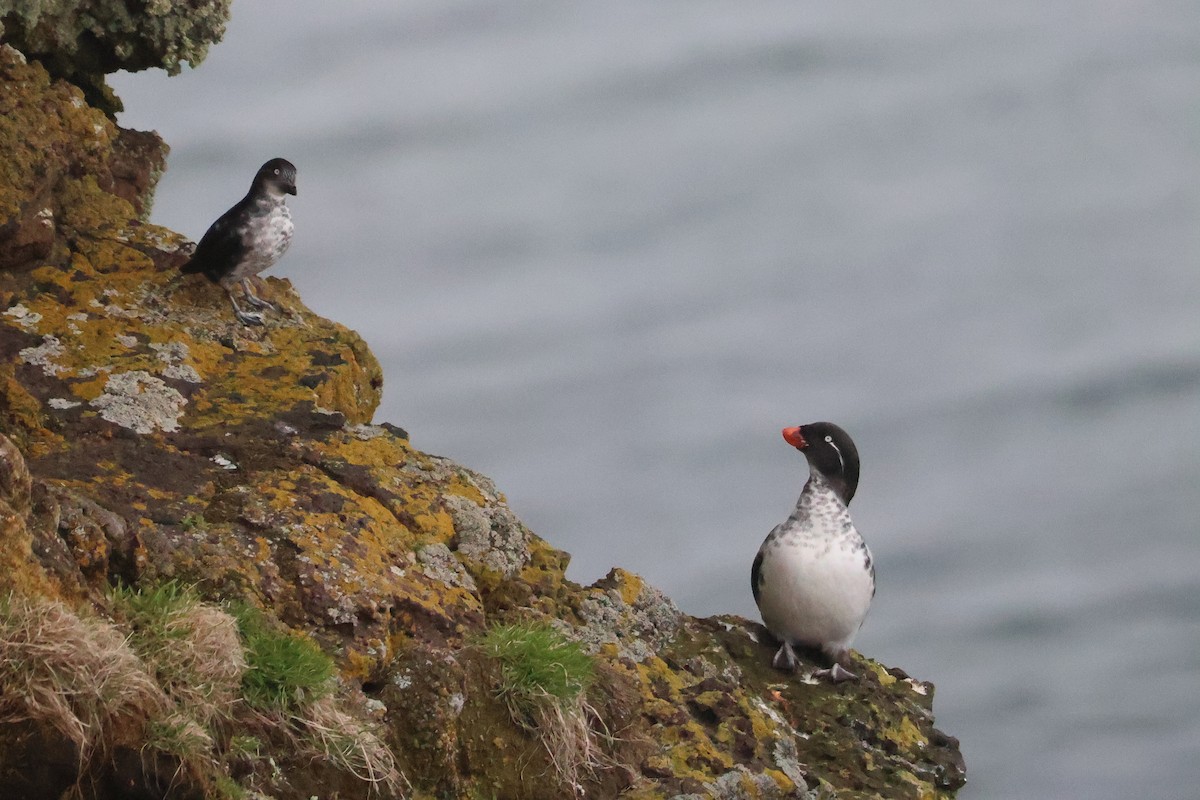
(606, 251)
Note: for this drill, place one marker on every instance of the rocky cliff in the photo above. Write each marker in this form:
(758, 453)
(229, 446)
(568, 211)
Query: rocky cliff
(222, 579)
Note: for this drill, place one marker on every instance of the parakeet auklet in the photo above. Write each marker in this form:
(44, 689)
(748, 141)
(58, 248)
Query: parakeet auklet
(249, 237)
(813, 579)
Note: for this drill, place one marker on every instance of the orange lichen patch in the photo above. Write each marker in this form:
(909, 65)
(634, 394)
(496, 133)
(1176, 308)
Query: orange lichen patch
(394, 465)
(89, 209)
(377, 452)
(462, 486)
(23, 575)
(42, 117)
(785, 784)
(89, 388)
(112, 332)
(659, 680)
(905, 735)
(629, 585)
(409, 483)
(882, 675)
(357, 666)
(22, 416)
(262, 551)
(545, 575)
(353, 558)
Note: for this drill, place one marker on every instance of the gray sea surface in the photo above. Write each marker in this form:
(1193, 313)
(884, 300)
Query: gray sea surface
(606, 251)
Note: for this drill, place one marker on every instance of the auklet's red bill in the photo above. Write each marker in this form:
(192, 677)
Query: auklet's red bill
(813, 579)
(249, 238)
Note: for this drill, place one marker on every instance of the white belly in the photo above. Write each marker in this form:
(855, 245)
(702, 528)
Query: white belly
(815, 592)
(265, 242)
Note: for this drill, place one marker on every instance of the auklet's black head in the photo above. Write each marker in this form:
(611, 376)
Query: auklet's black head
(277, 176)
(830, 451)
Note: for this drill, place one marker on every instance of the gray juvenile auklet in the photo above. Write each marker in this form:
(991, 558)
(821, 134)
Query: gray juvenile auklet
(813, 579)
(249, 237)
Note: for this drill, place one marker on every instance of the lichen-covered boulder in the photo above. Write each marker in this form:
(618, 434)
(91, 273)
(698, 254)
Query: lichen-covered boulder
(60, 155)
(84, 41)
(151, 440)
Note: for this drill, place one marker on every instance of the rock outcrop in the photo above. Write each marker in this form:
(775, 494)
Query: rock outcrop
(150, 440)
(83, 42)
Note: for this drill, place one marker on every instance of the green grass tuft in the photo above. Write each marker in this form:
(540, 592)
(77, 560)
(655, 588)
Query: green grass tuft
(146, 608)
(284, 671)
(245, 746)
(180, 736)
(194, 522)
(544, 680)
(192, 647)
(537, 663)
(226, 788)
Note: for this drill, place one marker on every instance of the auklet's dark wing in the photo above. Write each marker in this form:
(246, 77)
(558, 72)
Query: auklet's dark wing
(756, 577)
(222, 245)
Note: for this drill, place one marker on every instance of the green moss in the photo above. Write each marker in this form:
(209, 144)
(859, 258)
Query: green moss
(180, 737)
(283, 670)
(244, 746)
(226, 788)
(193, 522)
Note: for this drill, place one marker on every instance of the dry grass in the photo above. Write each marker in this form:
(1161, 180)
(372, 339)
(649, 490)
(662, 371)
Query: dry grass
(350, 745)
(76, 674)
(182, 675)
(571, 733)
(323, 731)
(287, 694)
(214, 654)
(193, 648)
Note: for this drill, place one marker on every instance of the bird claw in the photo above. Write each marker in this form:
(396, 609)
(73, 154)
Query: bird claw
(249, 317)
(785, 658)
(244, 317)
(252, 296)
(836, 674)
(258, 302)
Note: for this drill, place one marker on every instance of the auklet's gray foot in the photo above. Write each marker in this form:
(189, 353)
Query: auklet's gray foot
(248, 238)
(813, 578)
(785, 658)
(246, 317)
(836, 674)
(253, 297)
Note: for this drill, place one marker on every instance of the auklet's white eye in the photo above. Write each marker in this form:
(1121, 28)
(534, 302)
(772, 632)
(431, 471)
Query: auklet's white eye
(829, 439)
(276, 171)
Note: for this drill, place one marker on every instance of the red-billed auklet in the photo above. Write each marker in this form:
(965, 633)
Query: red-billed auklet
(813, 578)
(249, 237)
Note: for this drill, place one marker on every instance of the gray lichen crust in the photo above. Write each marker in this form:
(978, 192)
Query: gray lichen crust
(140, 402)
(100, 37)
(489, 537)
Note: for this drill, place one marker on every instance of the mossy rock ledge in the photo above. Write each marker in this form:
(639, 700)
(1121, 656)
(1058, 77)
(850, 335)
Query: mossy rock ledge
(149, 438)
